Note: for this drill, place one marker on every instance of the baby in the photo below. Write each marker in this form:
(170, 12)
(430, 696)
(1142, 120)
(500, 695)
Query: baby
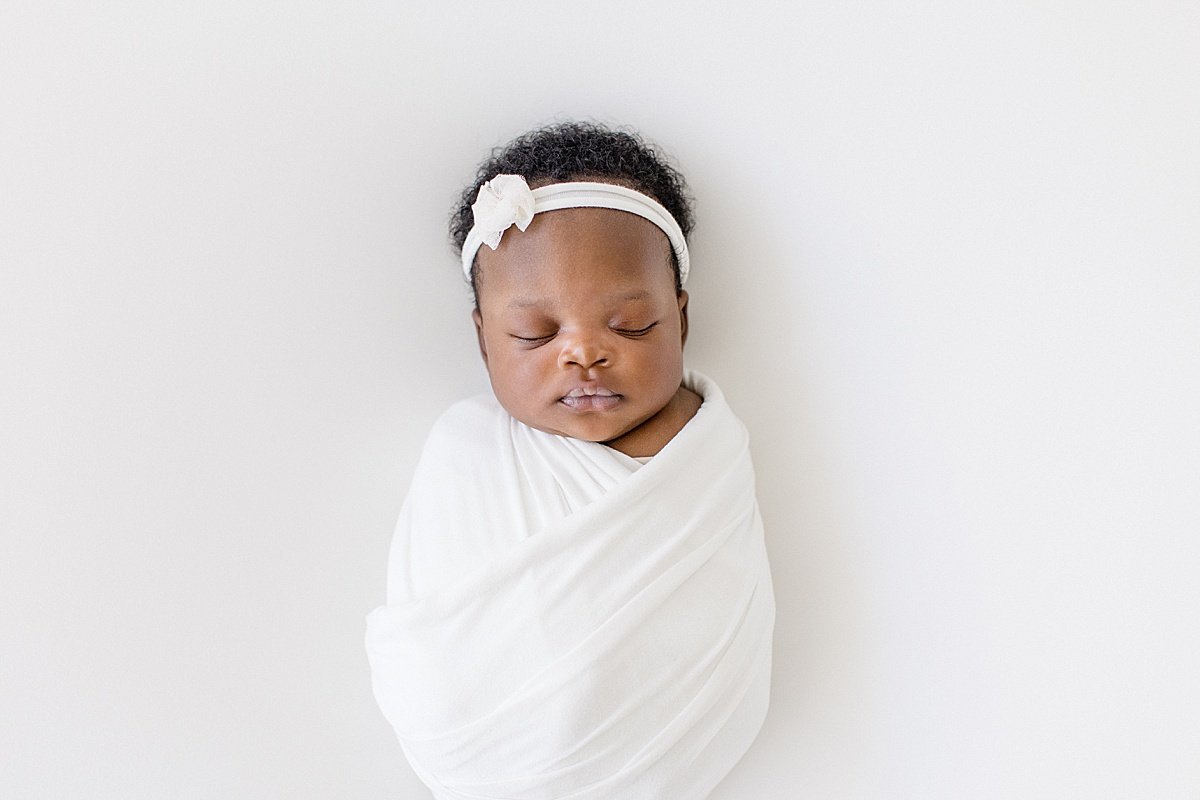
(579, 600)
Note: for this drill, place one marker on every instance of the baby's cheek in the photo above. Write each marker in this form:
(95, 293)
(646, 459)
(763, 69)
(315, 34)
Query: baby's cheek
(522, 375)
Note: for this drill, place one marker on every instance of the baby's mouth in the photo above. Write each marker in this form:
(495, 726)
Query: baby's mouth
(590, 398)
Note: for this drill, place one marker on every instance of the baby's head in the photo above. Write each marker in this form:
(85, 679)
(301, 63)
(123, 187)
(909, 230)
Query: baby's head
(579, 307)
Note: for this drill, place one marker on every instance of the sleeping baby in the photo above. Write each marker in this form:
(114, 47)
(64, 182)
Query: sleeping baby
(579, 603)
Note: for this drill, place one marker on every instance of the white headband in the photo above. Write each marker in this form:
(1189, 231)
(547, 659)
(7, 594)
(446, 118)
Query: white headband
(507, 200)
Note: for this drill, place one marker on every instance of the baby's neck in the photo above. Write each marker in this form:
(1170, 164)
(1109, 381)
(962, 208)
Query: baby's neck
(653, 434)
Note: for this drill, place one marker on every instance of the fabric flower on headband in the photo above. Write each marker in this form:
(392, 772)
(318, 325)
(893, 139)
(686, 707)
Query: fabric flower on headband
(503, 201)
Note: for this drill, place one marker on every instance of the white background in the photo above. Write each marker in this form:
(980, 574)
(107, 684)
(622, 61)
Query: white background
(947, 269)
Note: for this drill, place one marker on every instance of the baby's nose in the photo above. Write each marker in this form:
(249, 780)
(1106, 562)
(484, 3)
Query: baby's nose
(584, 350)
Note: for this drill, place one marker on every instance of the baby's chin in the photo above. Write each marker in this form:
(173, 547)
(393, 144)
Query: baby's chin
(584, 433)
(594, 429)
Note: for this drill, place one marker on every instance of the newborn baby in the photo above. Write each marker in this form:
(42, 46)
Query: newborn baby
(579, 600)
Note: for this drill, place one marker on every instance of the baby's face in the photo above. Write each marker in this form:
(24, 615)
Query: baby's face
(579, 323)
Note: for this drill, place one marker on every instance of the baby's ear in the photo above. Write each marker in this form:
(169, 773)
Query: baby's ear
(683, 299)
(478, 319)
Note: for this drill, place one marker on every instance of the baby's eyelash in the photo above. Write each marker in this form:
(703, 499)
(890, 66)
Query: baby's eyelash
(532, 339)
(543, 339)
(639, 332)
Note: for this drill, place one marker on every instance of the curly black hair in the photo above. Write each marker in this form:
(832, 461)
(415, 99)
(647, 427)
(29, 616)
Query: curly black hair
(570, 151)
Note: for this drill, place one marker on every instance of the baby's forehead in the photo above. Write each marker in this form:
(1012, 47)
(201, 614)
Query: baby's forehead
(579, 258)
(581, 296)
(580, 234)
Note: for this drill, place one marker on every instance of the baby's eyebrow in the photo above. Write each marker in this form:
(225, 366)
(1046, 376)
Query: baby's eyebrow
(528, 302)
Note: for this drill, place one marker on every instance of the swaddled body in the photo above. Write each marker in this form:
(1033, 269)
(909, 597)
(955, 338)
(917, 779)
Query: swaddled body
(601, 631)
(564, 621)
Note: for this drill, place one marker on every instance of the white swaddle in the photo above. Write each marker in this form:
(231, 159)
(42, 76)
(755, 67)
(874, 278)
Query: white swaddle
(563, 622)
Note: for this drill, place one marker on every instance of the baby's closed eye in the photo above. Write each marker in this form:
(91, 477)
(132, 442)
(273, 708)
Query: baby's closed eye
(630, 330)
(532, 338)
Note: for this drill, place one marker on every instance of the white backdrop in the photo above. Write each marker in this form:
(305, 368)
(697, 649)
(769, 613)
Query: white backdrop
(946, 270)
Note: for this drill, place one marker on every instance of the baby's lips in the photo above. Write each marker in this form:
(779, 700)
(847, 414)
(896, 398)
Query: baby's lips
(590, 391)
(591, 402)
